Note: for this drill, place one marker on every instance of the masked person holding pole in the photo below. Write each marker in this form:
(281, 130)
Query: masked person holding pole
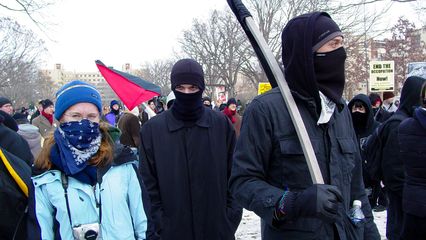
(86, 187)
(270, 175)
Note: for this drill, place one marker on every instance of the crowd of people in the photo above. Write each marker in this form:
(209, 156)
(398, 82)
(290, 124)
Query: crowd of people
(185, 169)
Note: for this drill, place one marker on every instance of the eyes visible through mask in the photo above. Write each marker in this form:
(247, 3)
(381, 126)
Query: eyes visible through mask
(77, 117)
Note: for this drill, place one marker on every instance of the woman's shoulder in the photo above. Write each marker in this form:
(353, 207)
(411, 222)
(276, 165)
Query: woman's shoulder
(46, 177)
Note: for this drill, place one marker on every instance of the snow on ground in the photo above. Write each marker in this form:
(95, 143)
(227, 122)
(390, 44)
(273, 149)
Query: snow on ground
(249, 228)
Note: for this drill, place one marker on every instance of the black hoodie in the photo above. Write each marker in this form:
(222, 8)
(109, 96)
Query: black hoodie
(392, 166)
(363, 132)
(298, 58)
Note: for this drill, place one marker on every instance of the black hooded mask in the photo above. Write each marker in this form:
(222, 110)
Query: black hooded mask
(187, 107)
(301, 38)
(363, 123)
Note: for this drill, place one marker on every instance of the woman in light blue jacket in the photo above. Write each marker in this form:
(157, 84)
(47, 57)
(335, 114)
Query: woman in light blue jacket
(84, 186)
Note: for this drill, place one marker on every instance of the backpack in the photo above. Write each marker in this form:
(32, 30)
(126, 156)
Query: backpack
(373, 147)
(15, 184)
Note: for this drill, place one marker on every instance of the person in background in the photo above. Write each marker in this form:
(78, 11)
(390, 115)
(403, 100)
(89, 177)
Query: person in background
(231, 112)
(389, 167)
(207, 102)
(8, 121)
(37, 112)
(129, 126)
(151, 104)
(86, 186)
(364, 125)
(270, 175)
(114, 115)
(6, 106)
(412, 145)
(45, 122)
(185, 161)
(143, 116)
(388, 104)
(380, 114)
(170, 100)
(29, 132)
(217, 104)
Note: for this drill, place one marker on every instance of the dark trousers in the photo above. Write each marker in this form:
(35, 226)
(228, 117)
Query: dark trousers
(395, 216)
(379, 196)
(413, 228)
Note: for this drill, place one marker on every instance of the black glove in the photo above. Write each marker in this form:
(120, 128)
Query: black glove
(319, 200)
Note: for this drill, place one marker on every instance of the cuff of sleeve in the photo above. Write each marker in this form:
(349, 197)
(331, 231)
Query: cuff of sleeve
(285, 206)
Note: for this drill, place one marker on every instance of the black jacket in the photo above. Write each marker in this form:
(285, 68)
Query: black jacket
(186, 172)
(269, 159)
(412, 143)
(391, 165)
(15, 184)
(362, 132)
(15, 143)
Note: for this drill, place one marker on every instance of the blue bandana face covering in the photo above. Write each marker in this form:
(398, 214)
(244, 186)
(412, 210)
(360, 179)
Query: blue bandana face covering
(76, 143)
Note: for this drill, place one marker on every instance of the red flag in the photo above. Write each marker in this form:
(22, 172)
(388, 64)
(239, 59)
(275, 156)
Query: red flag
(131, 90)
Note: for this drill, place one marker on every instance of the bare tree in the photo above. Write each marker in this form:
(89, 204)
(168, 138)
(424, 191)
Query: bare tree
(20, 54)
(157, 72)
(404, 47)
(30, 8)
(220, 46)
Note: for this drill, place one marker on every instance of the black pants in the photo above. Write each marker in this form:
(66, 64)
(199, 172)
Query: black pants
(379, 196)
(395, 216)
(414, 228)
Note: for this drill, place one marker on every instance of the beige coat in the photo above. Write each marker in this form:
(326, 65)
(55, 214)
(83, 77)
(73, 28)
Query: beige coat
(44, 125)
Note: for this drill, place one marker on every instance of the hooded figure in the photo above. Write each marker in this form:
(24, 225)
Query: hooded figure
(364, 125)
(270, 175)
(391, 165)
(185, 159)
(412, 144)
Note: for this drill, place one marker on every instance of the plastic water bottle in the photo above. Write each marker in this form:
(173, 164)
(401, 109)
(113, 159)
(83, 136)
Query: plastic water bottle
(355, 213)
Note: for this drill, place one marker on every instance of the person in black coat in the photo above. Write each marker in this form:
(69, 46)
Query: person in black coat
(390, 167)
(14, 143)
(412, 144)
(185, 160)
(380, 114)
(270, 175)
(364, 124)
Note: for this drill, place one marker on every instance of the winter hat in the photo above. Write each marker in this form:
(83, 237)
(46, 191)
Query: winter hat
(76, 92)
(325, 29)
(187, 71)
(113, 102)
(231, 101)
(4, 101)
(374, 98)
(46, 103)
(387, 95)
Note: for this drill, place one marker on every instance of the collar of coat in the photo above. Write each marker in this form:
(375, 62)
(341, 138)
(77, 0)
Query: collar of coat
(175, 124)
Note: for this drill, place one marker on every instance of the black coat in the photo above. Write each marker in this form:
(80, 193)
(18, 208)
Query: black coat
(15, 144)
(269, 159)
(13, 195)
(412, 143)
(186, 172)
(362, 132)
(391, 164)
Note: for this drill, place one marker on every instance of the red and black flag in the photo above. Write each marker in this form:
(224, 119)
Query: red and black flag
(131, 90)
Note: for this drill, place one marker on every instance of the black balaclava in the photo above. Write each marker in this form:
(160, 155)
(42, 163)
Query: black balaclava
(360, 119)
(329, 66)
(187, 107)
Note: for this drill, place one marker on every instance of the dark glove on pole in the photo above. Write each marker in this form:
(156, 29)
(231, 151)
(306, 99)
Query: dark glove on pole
(319, 200)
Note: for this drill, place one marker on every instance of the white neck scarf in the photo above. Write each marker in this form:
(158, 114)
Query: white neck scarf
(327, 109)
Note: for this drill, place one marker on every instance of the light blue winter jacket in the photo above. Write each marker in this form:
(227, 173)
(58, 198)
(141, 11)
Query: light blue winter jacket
(123, 215)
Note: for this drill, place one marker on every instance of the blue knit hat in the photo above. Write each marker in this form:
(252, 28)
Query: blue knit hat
(76, 92)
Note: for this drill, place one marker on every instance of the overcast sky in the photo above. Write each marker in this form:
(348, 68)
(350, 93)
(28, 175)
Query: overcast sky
(128, 31)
